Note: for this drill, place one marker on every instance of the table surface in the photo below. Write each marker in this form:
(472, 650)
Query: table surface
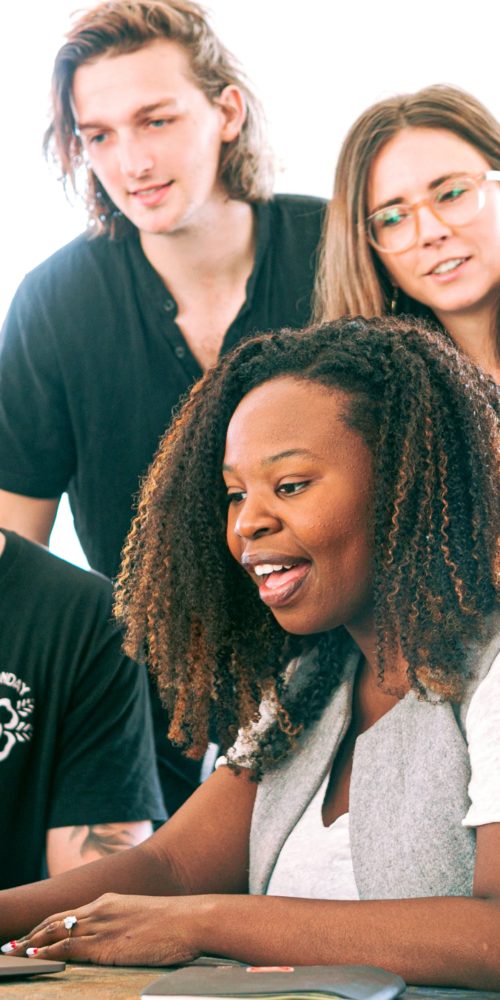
(92, 982)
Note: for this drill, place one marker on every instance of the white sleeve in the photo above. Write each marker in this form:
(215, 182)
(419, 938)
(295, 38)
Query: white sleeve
(482, 726)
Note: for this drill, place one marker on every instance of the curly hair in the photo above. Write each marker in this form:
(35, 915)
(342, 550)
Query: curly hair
(431, 421)
(117, 27)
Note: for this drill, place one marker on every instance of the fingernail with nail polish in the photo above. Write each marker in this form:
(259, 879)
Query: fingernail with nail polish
(10, 946)
(31, 951)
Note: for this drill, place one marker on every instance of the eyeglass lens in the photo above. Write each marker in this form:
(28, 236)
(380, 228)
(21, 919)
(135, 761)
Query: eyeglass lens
(455, 202)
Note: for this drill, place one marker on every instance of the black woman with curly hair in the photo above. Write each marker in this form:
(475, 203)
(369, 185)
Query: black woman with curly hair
(316, 554)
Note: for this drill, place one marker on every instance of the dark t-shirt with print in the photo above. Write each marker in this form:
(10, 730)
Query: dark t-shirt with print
(76, 744)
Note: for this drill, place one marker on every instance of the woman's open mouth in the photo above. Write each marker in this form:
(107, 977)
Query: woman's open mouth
(278, 583)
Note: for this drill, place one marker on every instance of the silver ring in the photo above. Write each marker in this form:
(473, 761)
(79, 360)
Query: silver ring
(69, 923)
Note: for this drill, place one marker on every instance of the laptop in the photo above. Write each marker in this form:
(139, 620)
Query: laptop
(10, 966)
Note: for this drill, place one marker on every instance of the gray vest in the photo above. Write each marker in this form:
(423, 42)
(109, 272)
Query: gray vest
(408, 794)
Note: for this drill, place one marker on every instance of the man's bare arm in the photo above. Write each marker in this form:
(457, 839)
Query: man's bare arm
(30, 517)
(72, 846)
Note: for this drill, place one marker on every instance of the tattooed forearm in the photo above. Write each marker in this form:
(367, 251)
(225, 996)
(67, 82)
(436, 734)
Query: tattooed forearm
(72, 846)
(106, 838)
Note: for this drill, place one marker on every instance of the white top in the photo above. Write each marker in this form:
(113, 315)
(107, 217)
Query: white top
(482, 726)
(315, 861)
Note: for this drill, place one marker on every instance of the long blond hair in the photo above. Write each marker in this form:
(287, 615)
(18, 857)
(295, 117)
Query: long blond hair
(351, 279)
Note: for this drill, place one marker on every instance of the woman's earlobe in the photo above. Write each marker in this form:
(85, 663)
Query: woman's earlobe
(394, 300)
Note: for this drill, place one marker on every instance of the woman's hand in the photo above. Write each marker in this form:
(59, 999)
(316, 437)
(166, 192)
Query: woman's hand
(119, 930)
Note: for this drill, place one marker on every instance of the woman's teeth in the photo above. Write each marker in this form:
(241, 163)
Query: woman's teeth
(448, 265)
(266, 568)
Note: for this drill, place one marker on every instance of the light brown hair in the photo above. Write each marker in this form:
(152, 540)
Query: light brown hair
(116, 27)
(351, 279)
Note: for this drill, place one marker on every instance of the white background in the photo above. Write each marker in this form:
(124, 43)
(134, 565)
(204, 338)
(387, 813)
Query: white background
(316, 65)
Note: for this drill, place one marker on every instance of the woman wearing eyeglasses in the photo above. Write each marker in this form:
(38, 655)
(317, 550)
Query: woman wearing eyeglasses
(414, 225)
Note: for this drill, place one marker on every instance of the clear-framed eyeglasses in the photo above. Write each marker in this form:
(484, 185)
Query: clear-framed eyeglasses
(455, 202)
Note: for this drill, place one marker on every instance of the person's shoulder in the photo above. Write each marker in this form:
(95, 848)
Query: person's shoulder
(298, 202)
(296, 223)
(484, 666)
(482, 703)
(46, 573)
(82, 284)
(299, 206)
(75, 259)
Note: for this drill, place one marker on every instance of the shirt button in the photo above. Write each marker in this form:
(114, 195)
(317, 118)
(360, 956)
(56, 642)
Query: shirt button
(180, 351)
(168, 305)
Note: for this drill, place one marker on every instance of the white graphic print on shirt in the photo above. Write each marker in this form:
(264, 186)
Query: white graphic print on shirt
(14, 711)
